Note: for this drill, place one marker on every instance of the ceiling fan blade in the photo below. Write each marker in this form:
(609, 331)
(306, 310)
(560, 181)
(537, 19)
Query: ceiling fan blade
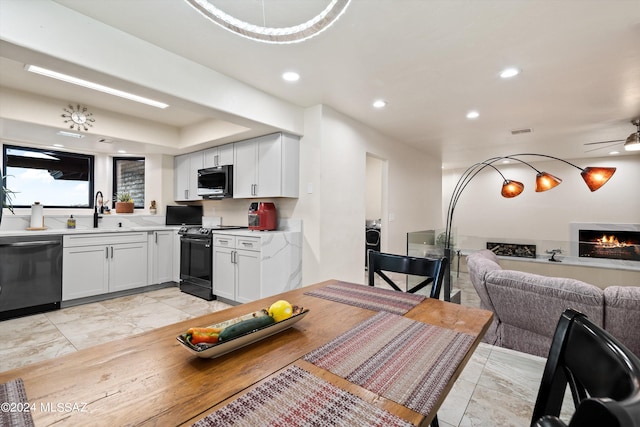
(603, 142)
(613, 144)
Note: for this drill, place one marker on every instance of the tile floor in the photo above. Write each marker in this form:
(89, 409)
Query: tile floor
(497, 388)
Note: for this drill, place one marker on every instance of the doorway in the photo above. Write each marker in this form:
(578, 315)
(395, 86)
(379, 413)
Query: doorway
(375, 210)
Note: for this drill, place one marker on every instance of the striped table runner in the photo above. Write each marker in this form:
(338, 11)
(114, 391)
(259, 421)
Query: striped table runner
(295, 397)
(404, 360)
(15, 411)
(368, 297)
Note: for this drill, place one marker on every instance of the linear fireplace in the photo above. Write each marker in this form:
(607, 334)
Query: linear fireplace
(609, 244)
(604, 242)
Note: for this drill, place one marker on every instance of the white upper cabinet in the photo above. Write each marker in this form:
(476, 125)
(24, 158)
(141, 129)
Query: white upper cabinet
(218, 156)
(186, 169)
(267, 166)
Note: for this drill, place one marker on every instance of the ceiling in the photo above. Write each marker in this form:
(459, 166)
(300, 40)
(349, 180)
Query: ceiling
(432, 61)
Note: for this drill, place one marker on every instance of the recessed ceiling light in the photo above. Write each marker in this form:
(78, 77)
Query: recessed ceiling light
(505, 161)
(70, 134)
(291, 76)
(58, 145)
(121, 151)
(94, 86)
(473, 115)
(379, 103)
(614, 152)
(509, 72)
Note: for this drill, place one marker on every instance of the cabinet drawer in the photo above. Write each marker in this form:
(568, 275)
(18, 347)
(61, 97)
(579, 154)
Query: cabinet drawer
(224, 241)
(249, 243)
(91, 239)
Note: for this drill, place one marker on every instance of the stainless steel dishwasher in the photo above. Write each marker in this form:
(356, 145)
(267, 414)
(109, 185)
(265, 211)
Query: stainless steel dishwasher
(30, 275)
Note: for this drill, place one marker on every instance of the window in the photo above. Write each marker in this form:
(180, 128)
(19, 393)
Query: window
(128, 177)
(53, 178)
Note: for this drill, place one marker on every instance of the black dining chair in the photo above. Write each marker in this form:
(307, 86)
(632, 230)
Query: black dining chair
(602, 374)
(432, 269)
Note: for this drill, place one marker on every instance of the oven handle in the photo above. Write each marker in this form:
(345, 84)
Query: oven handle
(29, 244)
(187, 239)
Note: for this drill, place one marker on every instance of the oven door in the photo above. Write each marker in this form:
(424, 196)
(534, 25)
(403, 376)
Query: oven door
(196, 258)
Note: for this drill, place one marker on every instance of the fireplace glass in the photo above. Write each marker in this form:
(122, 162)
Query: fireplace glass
(623, 245)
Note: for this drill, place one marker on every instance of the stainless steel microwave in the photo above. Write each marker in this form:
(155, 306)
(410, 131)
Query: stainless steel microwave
(216, 182)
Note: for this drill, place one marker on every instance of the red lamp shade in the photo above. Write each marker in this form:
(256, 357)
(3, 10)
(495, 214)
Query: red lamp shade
(545, 181)
(596, 177)
(511, 188)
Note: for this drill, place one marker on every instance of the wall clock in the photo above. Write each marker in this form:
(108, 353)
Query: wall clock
(78, 117)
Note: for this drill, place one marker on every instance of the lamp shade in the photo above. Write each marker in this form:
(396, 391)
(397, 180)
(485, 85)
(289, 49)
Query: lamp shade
(511, 188)
(545, 181)
(596, 177)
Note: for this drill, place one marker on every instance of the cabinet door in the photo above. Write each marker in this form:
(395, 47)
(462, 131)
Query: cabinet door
(244, 169)
(162, 256)
(247, 276)
(84, 271)
(196, 162)
(225, 154)
(210, 157)
(269, 169)
(127, 266)
(181, 166)
(224, 273)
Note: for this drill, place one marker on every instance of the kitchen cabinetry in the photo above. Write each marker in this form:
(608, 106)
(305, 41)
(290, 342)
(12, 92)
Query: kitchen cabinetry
(94, 264)
(267, 166)
(218, 156)
(186, 168)
(236, 267)
(161, 254)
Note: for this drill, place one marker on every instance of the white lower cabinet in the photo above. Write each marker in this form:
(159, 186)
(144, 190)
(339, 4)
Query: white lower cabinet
(236, 267)
(94, 264)
(161, 256)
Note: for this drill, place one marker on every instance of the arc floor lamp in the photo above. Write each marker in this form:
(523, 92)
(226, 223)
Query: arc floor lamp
(594, 177)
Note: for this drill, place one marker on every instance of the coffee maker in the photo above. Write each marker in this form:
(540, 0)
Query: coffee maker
(263, 216)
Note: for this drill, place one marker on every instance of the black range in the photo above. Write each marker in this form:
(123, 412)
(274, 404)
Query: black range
(196, 259)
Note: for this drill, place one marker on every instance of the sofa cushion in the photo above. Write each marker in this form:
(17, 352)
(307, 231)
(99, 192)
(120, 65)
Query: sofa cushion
(534, 303)
(622, 315)
(478, 265)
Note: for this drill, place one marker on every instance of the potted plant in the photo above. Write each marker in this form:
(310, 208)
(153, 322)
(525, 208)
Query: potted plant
(6, 197)
(124, 203)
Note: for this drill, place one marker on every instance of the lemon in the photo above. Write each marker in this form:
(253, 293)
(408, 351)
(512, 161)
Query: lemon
(280, 310)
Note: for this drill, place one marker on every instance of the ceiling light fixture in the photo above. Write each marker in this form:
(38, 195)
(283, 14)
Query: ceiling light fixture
(69, 134)
(473, 115)
(293, 34)
(509, 72)
(379, 103)
(95, 86)
(291, 76)
(633, 141)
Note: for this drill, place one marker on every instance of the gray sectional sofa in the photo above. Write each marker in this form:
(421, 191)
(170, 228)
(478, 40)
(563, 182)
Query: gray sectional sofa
(527, 306)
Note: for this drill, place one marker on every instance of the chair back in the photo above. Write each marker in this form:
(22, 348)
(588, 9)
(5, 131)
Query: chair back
(432, 269)
(602, 374)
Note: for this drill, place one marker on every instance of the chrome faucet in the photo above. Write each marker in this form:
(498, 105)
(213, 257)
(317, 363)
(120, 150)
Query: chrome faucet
(95, 212)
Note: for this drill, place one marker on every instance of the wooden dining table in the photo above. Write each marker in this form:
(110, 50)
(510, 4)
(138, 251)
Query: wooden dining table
(152, 379)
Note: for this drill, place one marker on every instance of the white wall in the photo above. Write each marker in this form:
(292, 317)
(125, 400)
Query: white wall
(333, 160)
(482, 214)
(373, 185)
